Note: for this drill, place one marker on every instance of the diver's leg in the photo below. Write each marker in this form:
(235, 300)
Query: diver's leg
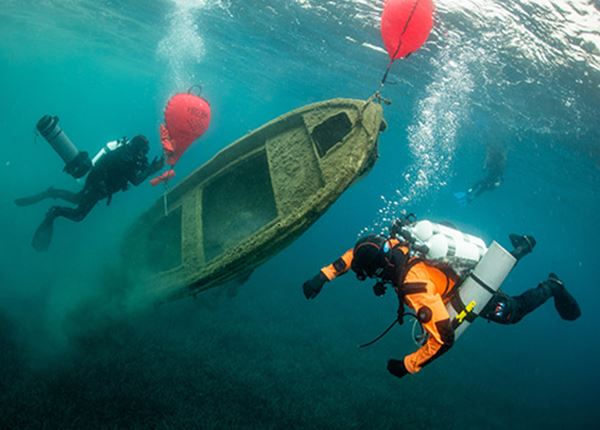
(36, 198)
(564, 302)
(504, 309)
(475, 190)
(530, 300)
(500, 309)
(43, 234)
(50, 193)
(69, 196)
(74, 214)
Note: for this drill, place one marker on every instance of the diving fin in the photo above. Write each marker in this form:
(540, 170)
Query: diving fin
(27, 201)
(523, 245)
(31, 200)
(43, 235)
(565, 304)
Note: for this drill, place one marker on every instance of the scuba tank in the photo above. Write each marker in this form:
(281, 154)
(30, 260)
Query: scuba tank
(479, 286)
(442, 244)
(482, 269)
(77, 163)
(109, 147)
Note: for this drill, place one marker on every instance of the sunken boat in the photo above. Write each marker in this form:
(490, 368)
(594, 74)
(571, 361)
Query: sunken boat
(253, 198)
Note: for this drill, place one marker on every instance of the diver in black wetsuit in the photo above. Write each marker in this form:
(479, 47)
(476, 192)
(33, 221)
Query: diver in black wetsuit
(128, 163)
(494, 165)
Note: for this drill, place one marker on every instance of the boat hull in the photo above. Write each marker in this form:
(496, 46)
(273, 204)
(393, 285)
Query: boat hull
(253, 198)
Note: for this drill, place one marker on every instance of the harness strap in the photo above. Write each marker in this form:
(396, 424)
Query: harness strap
(482, 284)
(460, 307)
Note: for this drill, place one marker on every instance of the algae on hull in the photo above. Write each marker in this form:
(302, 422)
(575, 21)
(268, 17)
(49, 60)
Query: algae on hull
(254, 197)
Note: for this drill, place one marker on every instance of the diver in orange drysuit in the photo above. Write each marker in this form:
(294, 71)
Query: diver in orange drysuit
(427, 289)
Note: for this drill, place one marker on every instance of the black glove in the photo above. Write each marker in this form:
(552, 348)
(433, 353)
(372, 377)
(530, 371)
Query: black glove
(379, 289)
(157, 164)
(396, 367)
(313, 287)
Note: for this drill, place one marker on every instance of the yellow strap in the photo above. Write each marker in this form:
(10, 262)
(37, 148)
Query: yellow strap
(466, 311)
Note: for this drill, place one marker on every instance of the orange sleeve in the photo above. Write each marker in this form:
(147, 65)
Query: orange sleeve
(420, 295)
(339, 266)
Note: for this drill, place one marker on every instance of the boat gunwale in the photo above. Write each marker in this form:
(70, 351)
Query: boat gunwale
(177, 193)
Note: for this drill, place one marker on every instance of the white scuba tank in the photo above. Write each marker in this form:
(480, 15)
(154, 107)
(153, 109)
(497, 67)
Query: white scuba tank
(77, 163)
(446, 245)
(479, 287)
(110, 146)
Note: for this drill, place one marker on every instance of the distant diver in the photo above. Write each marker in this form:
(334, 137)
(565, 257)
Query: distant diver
(494, 166)
(430, 288)
(116, 165)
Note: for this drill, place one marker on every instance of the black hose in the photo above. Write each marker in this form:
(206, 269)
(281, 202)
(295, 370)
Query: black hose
(387, 330)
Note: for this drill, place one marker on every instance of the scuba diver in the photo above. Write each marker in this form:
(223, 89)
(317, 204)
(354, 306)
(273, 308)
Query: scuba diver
(493, 166)
(111, 170)
(430, 288)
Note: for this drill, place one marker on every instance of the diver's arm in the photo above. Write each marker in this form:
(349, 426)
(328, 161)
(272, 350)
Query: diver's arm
(328, 273)
(419, 293)
(143, 172)
(436, 321)
(138, 179)
(339, 266)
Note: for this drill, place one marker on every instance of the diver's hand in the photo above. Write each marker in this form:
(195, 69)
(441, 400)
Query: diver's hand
(313, 287)
(379, 289)
(157, 164)
(396, 368)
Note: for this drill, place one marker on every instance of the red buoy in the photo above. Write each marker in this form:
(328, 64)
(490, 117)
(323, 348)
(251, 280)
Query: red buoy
(405, 26)
(187, 117)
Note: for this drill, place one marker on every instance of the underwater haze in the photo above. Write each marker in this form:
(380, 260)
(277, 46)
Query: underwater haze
(77, 353)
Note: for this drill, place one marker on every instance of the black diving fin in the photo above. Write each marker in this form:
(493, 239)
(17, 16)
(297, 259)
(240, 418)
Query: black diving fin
(523, 245)
(565, 304)
(31, 200)
(43, 235)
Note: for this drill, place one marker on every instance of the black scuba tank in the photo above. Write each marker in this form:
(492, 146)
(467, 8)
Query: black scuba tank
(77, 163)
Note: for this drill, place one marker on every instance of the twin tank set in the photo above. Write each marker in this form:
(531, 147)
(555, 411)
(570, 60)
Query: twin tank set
(485, 268)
